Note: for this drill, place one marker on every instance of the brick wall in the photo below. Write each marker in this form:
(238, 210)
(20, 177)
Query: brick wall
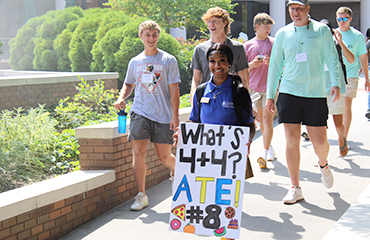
(55, 220)
(27, 96)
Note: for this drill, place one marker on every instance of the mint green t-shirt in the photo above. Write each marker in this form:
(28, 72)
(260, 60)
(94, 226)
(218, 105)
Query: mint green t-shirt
(356, 44)
(306, 78)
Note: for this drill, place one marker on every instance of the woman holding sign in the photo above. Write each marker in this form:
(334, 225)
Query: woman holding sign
(222, 100)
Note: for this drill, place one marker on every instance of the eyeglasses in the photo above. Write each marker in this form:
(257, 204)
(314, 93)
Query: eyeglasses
(344, 19)
(215, 21)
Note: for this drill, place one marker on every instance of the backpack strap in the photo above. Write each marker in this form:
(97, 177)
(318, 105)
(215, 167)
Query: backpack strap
(199, 93)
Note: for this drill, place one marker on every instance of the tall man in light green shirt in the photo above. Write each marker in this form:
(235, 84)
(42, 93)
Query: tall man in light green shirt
(356, 44)
(302, 48)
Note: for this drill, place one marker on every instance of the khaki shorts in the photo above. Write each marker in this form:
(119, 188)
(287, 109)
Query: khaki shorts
(261, 102)
(336, 108)
(351, 87)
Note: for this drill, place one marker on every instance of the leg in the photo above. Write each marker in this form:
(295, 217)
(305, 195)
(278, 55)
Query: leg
(138, 164)
(338, 122)
(164, 154)
(268, 123)
(260, 114)
(368, 106)
(347, 116)
(292, 151)
(320, 143)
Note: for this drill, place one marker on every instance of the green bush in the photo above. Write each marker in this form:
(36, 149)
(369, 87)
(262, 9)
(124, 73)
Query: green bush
(83, 39)
(26, 142)
(92, 104)
(22, 45)
(45, 55)
(111, 22)
(61, 46)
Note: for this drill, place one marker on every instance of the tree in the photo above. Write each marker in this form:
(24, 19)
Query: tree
(170, 13)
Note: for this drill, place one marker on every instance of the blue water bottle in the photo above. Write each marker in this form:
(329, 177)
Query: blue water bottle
(122, 118)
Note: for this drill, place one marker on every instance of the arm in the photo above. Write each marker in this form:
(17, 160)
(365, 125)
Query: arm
(175, 102)
(346, 52)
(244, 75)
(365, 65)
(125, 93)
(255, 63)
(197, 77)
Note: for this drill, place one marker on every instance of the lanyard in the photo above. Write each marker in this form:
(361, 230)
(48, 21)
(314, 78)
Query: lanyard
(308, 33)
(263, 49)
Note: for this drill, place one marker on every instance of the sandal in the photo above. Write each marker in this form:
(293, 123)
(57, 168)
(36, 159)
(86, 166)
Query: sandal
(343, 151)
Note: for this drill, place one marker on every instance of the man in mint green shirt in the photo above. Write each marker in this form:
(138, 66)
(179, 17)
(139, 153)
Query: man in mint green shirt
(356, 44)
(299, 52)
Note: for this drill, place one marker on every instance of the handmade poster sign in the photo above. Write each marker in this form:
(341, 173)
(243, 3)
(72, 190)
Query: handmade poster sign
(207, 191)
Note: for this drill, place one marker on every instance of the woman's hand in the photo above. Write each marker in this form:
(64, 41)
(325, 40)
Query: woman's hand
(175, 136)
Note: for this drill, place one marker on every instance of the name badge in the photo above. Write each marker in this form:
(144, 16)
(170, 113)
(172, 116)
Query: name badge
(204, 100)
(147, 77)
(301, 57)
(326, 67)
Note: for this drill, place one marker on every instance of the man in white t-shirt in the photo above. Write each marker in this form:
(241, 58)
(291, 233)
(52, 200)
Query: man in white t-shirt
(154, 75)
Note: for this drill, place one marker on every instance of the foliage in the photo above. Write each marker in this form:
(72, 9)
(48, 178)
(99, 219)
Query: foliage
(169, 13)
(92, 104)
(27, 139)
(185, 101)
(22, 45)
(46, 58)
(61, 46)
(105, 46)
(83, 39)
(1, 44)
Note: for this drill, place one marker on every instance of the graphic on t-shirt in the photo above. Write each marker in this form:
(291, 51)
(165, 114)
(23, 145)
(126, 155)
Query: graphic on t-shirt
(149, 79)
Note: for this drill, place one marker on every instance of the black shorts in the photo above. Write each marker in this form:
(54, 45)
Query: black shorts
(308, 111)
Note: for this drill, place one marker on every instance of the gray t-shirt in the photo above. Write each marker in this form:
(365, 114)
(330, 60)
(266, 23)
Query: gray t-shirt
(199, 60)
(152, 76)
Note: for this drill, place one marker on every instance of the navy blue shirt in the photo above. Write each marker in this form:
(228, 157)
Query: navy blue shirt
(219, 110)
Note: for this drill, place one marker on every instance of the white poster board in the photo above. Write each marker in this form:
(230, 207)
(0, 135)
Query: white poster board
(207, 191)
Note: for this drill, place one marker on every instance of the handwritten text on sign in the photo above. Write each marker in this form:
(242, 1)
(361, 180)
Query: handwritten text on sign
(209, 179)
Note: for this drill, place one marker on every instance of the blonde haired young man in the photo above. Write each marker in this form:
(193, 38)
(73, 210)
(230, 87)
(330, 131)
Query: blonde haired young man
(258, 51)
(154, 75)
(356, 44)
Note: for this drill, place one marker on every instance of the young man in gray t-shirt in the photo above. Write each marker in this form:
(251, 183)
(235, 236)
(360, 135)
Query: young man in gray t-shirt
(218, 22)
(154, 75)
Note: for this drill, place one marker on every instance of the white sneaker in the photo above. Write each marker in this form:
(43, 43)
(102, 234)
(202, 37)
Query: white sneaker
(141, 201)
(271, 155)
(262, 159)
(293, 195)
(326, 176)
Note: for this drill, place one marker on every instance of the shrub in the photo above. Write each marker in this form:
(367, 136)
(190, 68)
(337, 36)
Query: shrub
(92, 104)
(61, 46)
(111, 22)
(45, 55)
(83, 38)
(26, 142)
(22, 45)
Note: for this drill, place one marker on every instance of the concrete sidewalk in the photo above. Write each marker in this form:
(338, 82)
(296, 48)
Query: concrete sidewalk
(319, 216)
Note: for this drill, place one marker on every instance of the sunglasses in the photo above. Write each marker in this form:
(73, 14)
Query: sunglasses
(344, 19)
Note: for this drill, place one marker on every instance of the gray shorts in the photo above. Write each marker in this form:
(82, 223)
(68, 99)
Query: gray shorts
(143, 128)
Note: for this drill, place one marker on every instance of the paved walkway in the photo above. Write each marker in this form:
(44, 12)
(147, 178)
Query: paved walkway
(342, 212)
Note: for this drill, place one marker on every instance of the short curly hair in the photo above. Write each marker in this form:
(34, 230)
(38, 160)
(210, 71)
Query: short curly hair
(219, 13)
(149, 24)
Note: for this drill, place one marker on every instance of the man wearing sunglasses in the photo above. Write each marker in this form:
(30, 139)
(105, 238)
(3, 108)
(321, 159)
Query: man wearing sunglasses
(356, 44)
